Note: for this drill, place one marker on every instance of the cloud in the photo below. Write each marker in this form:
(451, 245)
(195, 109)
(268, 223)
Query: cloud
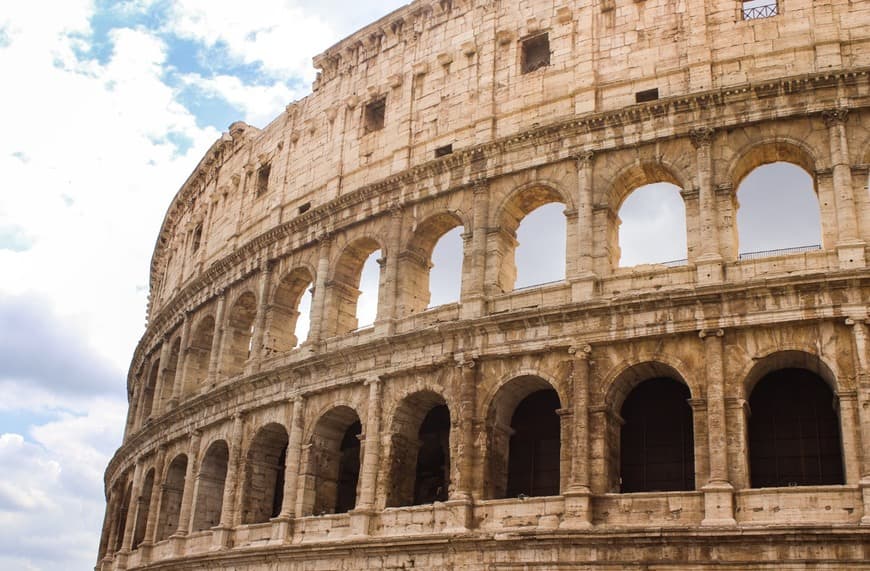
(260, 103)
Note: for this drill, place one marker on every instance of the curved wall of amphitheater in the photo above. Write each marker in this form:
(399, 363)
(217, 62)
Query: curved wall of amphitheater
(500, 432)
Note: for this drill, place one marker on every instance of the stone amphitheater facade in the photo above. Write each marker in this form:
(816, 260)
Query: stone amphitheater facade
(714, 414)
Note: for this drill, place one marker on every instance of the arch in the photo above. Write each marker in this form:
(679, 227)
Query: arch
(196, 362)
(167, 382)
(332, 463)
(144, 509)
(523, 439)
(794, 431)
(514, 210)
(780, 149)
(264, 474)
(123, 509)
(656, 445)
(652, 226)
(415, 263)
(150, 390)
(787, 358)
(210, 486)
(170, 499)
(344, 287)
(284, 311)
(419, 450)
(641, 173)
(238, 334)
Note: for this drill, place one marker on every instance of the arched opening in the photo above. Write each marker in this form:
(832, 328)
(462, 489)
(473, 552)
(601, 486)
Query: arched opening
(199, 354)
(353, 298)
(121, 524)
(657, 438)
(167, 383)
(652, 226)
(523, 440)
(333, 463)
(532, 241)
(794, 431)
(290, 312)
(264, 474)
(430, 268)
(778, 211)
(170, 499)
(420, 446)
(144, 508)
(238, 334)
(210, 486)
(150, 390)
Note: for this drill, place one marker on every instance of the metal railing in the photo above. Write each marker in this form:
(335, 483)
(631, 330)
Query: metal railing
(779, 252)
(758, 12)
(674, 263)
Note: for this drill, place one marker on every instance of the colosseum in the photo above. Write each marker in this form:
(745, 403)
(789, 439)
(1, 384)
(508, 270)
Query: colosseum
(708, 413)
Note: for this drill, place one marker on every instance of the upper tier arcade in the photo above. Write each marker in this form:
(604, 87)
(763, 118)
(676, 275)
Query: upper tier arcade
(708, 412)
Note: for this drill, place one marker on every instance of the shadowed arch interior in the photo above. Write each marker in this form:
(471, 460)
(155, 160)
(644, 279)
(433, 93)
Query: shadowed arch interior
(199, 354)
(123, 510)
(210, 486)
(523, 439)
(657, 438)
(170, 499)
(416, 263)
(264, 474)
(794, 431)
(420, 451)
(284, 312)
(332, 463)
(150, 391)
(144, 508)
(167, 383)
(238, 334)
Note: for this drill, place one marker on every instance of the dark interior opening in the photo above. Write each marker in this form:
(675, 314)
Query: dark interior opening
(794, 431)
(433, 459)
(444, 151)
(278, 496)
(348, 469)
(536, 53)
(646, 95)
(657, 438)
(375, 115)
(533, 459)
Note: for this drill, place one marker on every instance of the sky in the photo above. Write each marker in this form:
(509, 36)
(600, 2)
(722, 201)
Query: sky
(107, 108)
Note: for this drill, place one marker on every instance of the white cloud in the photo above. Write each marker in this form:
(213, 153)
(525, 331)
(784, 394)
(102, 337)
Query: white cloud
(259, 103)
(279, 35)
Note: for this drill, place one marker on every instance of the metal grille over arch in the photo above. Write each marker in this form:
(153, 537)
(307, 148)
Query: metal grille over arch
(332, 463)
(794, 431)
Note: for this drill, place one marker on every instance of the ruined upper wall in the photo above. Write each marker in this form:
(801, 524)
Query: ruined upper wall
(451, 73)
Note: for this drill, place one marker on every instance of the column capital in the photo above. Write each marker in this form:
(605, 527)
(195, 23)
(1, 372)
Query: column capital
(852, 321)
(702, 136)
(584, 158)
(580, 351)
(833, 117)
(373, 381)
(704, 333)
(467, 361)
(480, 185)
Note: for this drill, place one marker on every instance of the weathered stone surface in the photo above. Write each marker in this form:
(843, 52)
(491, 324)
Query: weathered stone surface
(236, 439)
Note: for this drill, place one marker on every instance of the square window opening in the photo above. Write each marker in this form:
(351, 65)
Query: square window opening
(375, 115)
(646, 95)
(197, 238)
(444, 151)
(263, 179)
(536, 53)
(305, 208)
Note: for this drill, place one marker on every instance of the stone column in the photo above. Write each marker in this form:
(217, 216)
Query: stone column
(178, 384)
(862, 367)
(583, 284)
(389, 278)
(319, 326)
(217, 339)
(154, 506)
(709, 259)
(850, 248)
(473, 296)
(295, 417)
(465, 421)
(187, 496)
(360, 516)
(263, 306)
(223, 531)
(113, 507)
(578, 514)
(130, 520)
(718, 493)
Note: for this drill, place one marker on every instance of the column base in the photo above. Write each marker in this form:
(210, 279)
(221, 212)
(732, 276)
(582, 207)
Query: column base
(852, 254)
(709, 269)
(864, 486)
(179, 541)
(718, 505)
(145, 549)
(221, 538)
(583, 287)
(461, 513)
(359, 522)
(119, 563)
(578, 509)
(282, 530)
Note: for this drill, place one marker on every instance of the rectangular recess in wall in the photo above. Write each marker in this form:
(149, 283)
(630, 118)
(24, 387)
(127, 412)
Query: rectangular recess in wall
(444, 151)
(646, 95)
